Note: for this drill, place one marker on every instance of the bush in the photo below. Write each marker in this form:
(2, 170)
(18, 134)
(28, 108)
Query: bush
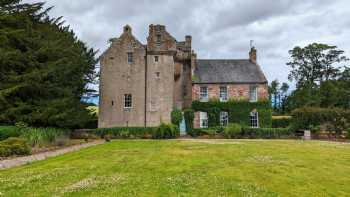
(267, 133)
(281, 121)
(207, 131)
(348, 133)
(176, 117)
(43, 136)
(9, 131)
(14, 146)
(233, 131)
(123, 132)
(166, 131)
(307, 117)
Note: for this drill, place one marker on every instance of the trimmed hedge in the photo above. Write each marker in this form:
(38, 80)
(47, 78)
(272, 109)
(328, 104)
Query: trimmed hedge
(281, 121)
(125, 132)
(267, 133)
(14, 146)
(164, 131)
(239, 111)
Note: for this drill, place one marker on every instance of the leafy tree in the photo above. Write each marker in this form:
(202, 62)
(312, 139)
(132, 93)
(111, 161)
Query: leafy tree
(314, 63)
(44, 68)
(274, 90)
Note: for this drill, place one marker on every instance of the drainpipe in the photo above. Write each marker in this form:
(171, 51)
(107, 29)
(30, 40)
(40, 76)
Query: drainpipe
(146, 68)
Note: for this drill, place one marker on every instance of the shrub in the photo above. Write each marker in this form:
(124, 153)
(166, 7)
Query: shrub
(189, 117)
(43, 136)
(307, 117)
(267, 133)
(123, 132)
(9, 131)
(14, 146)
(176, 117)
(281, 121)
(233, 131)
(166, 131)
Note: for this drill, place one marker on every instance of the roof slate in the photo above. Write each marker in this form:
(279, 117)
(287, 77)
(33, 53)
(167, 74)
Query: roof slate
(228, 71)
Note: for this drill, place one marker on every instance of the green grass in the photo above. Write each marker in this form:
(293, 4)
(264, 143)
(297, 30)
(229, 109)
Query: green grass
(188, 168)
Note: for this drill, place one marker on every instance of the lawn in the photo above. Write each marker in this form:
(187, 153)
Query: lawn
(188, 168)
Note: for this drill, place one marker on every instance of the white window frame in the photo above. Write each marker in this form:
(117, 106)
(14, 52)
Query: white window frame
(253, 93)
(223, 94)
(203, 119)
(254, 119)
(128, 100)
(203, 95)
(130, 57)
(223, 118)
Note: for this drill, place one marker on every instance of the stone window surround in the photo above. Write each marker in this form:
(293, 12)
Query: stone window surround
(130, 57)
(128, 101)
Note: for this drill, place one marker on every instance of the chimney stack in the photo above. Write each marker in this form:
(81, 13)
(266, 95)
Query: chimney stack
(252, 55)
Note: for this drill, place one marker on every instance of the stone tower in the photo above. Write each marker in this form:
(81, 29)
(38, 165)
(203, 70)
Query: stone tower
(141, 84)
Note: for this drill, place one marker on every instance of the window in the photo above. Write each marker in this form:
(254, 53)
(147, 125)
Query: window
(203, 94)
(203, 119)
(156, 58)
(223, 118)
(112, 103)
(157, 75)
(159, 39)
(130, 58)
(253, 94)
(127, 101)
(254, 120)
(223, 94)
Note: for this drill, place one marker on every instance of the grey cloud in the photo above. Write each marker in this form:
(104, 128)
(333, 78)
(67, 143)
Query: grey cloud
(220, 29)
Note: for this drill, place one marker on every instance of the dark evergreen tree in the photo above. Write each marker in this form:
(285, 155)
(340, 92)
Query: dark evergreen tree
(44, 68)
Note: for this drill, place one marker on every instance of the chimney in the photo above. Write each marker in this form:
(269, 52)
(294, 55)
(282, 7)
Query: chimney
(252, 55)
(127, 29)
(188, 40)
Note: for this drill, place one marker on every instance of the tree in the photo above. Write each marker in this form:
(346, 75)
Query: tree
(44, 68)
(274, 90)
(314, 63)
(284, 92)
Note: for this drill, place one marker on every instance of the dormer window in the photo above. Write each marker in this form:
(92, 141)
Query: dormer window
(159, 39)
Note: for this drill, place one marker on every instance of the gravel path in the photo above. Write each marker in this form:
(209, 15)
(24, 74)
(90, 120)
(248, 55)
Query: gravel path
(10, 163)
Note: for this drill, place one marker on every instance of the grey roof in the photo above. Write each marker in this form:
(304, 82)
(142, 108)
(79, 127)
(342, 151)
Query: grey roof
(228, 71)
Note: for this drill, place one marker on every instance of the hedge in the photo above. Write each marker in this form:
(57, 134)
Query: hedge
(307, 117)
(239, 111)
(267, 133)
(281, 121)
(189, 118)
(164, 131)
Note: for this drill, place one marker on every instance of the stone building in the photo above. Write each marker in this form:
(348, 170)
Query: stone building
(141, 84)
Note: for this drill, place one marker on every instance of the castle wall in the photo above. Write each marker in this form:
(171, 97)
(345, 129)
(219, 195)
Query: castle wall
(118, 78)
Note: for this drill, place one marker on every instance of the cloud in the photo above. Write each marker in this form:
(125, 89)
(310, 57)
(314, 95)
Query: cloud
(220, 29)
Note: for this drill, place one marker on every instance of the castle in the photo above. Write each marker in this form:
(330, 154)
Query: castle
(141, 84)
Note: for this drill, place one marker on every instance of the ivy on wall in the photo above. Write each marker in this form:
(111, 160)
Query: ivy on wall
(239, 111)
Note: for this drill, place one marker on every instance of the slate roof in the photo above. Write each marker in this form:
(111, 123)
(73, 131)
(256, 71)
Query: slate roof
(228, 71)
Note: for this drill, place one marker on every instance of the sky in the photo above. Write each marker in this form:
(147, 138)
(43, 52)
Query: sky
(220, 29)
